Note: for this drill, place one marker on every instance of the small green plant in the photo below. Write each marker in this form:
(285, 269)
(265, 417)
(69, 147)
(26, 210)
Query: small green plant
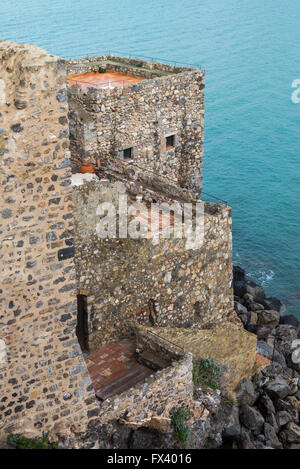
(182, 432)
(206, 374)
(179, 416)
(22, 442)
(101, 70)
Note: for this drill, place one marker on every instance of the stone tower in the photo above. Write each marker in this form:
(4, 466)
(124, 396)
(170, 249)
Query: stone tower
(43, 377)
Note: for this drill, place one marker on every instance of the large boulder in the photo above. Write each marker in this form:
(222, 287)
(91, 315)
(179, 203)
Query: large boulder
(283, 417)
(246, 393)
(271, 437)
(245, 440)
(286, 406)
(242, 312)
(278, 388)
(291, 433)
(239, 288)
(251, 418)
(290, 320)
(267, 351)
(268, 317)
(256, 291)
(232, 427)
(266, 405)
(286, 333)
(239, 308)
(271, 419)
(238, 273)
(272, 303)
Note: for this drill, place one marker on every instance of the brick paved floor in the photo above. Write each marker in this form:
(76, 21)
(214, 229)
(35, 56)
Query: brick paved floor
(114, 368)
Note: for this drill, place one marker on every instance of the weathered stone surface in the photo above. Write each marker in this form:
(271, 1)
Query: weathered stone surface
(268, 317)
(267, 351)
(140, 116)
(286, 333)
(36, 290)
(278, 388)
(246, 442)
(272, 303)
(194, 291)
(271, 437)
(286, 406)
(255, 290)
(251, 418)
(238, 273)
(266, 405)
(291, 433)
(229, 346)
(232, 425)
(246, 393)
(240, 309)
(283, 417)
(291, 320)
(240, 288)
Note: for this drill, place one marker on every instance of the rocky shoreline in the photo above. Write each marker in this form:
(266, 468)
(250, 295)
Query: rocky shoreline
(267, 415)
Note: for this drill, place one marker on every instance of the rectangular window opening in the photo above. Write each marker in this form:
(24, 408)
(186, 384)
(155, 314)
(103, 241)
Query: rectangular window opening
(127, 154)
(170, 142)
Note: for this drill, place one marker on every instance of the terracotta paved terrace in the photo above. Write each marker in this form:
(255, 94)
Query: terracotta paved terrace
(103, 80)
(114, 369)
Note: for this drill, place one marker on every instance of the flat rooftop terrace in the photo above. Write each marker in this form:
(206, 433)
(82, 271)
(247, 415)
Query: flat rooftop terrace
(107, 79)
(114, 369)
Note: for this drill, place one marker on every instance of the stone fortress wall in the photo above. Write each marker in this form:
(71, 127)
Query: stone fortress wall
(46, 260)
(170, 101)
(122, 277)
(43, 377)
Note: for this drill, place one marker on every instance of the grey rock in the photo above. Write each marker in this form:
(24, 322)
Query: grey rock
(255, 306)
(246, 393)
(283, 417)
(271, 419)
(268, 317)
(246, 442)
(238, 273)
(251, 418)
(239, 288)
(271, 437)
(280, 404)
(232, 427)
(240, 309)
(286, 333)
(61, 95)
(256, 291)
(292, 446)
(266, 405)
(272, 303)
(278, 388)
(290, 320)
(19, 104)
(291, 433)
(266, 351)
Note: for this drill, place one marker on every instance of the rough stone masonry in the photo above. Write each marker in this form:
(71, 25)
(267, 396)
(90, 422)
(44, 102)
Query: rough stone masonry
(43, 376)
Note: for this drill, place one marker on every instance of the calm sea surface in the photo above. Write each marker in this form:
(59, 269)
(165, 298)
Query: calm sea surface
(251, 54)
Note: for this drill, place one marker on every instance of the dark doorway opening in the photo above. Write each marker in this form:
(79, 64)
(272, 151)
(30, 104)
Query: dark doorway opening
(82, 330)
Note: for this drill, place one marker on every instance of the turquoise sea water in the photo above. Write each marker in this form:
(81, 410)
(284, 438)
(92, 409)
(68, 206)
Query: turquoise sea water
(251, 53)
